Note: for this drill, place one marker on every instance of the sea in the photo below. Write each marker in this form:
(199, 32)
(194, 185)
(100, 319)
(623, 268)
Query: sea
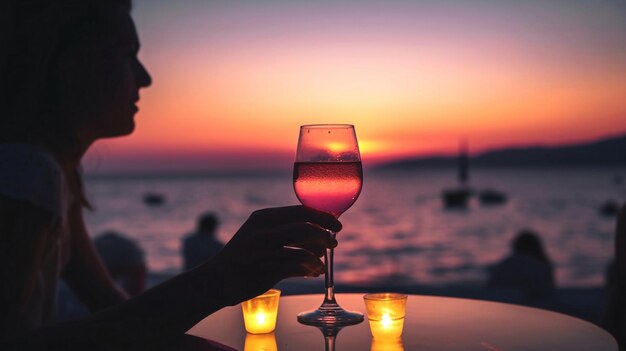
(398, 230)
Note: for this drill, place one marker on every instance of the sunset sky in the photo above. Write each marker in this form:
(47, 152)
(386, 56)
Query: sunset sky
(234, 80)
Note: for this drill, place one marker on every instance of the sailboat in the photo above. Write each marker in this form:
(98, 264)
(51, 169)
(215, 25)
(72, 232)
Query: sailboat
(458, 197)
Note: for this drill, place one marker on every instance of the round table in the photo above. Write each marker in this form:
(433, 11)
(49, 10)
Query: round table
(431, 323)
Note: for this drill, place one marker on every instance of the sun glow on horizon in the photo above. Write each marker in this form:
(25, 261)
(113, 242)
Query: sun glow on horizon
(413, 78)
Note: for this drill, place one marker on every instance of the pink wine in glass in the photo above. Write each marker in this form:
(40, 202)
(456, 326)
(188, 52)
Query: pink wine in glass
(330, 187)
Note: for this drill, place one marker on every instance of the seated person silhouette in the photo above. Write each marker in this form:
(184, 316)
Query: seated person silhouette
(615, 314)
(526, 271)
(124, 260)
(201, 245)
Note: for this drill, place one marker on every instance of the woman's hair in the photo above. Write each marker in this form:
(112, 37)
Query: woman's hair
(36, 38)
(39, 35)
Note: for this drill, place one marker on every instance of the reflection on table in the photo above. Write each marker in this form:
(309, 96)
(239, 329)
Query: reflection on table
(431, 323)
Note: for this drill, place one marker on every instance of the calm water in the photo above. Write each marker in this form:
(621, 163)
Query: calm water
(398, 229)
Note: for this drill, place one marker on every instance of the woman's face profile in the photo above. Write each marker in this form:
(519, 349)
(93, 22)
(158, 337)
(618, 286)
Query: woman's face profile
(115, 77)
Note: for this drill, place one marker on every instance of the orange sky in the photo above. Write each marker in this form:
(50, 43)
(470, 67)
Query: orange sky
(234, 81)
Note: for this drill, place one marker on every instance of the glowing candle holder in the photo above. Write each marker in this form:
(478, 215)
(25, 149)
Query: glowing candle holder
(385, 312)
(259, 313)
(260, 342)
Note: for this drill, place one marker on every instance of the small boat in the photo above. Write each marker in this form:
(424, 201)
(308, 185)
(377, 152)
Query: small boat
(459, 197)
(492, 197)
(456, 197)
(153, 199)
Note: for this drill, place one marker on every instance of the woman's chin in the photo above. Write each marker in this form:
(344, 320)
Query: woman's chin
(119, 132)
(127, 131)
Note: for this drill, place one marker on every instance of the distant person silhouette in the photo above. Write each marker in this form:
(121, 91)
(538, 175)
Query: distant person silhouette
(527, 270)
(201, 245)
(615, 314)
(124, 260)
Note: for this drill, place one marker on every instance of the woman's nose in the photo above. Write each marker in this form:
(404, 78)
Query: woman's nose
(143, 77)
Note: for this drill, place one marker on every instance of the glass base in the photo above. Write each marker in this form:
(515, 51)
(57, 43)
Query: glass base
(330, 315)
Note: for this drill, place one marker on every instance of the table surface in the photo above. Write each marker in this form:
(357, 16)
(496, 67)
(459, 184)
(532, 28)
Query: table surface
(431, 323)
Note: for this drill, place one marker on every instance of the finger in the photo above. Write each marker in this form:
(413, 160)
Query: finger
(301, 263)
(302, 235)
(289, 214)
(293, 263)
(271, 246)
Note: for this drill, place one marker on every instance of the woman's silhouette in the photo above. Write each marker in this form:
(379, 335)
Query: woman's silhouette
(69, 76)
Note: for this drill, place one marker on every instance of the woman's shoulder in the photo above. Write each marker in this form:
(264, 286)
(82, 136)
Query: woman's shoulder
(29, 173)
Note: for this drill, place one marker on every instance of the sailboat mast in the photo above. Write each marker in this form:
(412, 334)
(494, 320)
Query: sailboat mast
(463, 162)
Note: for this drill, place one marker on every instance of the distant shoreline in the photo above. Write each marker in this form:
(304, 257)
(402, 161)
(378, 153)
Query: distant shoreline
(605, 153)
(371, 170)
(186, 175)
(600, 153)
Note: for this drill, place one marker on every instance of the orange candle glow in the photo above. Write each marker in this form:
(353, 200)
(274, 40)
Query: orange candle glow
(385, 312)
(259, 313)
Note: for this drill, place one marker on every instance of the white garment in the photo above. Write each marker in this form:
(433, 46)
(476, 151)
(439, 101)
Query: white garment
(32, 175)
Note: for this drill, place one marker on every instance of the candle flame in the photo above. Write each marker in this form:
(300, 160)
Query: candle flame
(386, 321)
(261, 318)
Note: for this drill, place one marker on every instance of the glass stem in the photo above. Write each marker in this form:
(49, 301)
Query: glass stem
(330, 283)
(329, 344)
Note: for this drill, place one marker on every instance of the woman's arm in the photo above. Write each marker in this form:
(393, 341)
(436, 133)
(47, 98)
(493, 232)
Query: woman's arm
(252, 262)
(24, 234)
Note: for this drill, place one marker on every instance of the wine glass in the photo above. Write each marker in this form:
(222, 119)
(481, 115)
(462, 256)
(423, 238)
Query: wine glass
(327, 176)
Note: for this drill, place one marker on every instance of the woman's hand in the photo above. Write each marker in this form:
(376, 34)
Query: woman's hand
(273, 244)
